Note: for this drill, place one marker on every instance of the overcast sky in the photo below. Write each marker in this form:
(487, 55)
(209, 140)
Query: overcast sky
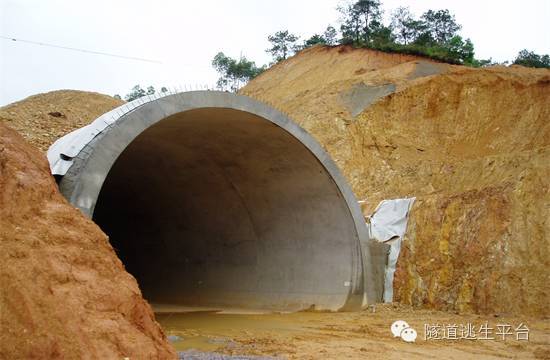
(185, 35)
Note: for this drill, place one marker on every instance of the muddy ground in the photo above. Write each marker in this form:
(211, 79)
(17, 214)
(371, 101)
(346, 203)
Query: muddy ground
(366, 334)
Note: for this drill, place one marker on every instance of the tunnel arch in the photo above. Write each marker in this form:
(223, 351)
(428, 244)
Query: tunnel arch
(215, 199)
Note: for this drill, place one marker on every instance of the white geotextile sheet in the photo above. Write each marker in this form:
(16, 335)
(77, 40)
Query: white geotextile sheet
(61, 153)
(388, 225)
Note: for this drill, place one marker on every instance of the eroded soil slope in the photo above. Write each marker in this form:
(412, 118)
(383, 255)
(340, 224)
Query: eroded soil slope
(63, 291)
(473, 145)
(44, 118)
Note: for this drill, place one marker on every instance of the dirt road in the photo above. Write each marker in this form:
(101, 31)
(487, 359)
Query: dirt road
(356, 335)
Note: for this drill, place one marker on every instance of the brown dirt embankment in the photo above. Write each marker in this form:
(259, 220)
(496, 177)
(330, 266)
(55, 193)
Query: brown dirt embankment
(473, 145)
(63, 291)
(44, 118)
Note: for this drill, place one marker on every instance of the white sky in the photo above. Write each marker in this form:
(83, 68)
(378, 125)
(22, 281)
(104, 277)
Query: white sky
(185, 35)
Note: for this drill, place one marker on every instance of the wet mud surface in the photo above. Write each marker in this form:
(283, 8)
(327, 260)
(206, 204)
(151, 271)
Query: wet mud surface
(310, 335)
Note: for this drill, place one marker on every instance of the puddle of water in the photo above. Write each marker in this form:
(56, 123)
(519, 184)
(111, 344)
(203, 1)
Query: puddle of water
(196, 342)
(211, 330)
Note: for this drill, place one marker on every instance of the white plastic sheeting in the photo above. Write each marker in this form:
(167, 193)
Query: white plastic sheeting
(388, 225)
(61, 153)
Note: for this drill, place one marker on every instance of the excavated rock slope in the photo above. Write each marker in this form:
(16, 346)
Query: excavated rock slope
(63, 291)
(44, 118)
(473, 145)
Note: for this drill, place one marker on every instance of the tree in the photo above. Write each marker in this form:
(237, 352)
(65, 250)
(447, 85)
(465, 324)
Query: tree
(234, 73)
(283, 45)
(460, 50)
(440, 25)
(358, 21)
(405, 27)
(136, 92)
(350, 26)
(327, 38)
(330, 35)
(381, 36)
(316, 39)
(530, 59)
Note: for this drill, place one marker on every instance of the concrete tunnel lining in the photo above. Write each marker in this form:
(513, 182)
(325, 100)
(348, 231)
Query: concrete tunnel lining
(215, 199)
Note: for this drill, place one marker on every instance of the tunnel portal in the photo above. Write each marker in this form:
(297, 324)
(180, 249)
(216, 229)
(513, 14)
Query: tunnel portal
(213, 199)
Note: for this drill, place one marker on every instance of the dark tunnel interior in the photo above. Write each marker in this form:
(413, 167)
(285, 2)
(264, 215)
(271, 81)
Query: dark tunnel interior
(220, 207)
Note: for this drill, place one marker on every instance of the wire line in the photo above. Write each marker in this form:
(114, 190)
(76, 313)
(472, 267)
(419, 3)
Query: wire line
(81, 50)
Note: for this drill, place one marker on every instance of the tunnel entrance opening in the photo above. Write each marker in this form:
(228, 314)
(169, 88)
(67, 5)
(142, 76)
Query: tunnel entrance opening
(213, 199)
(221, 207)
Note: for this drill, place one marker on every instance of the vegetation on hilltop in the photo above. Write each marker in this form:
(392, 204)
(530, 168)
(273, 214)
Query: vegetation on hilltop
(435, 35)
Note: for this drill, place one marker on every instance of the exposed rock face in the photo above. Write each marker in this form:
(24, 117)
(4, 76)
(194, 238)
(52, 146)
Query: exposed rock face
(63, 291)
(473, 145)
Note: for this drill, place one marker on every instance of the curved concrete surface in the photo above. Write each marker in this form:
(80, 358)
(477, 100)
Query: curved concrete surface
(214, 199)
